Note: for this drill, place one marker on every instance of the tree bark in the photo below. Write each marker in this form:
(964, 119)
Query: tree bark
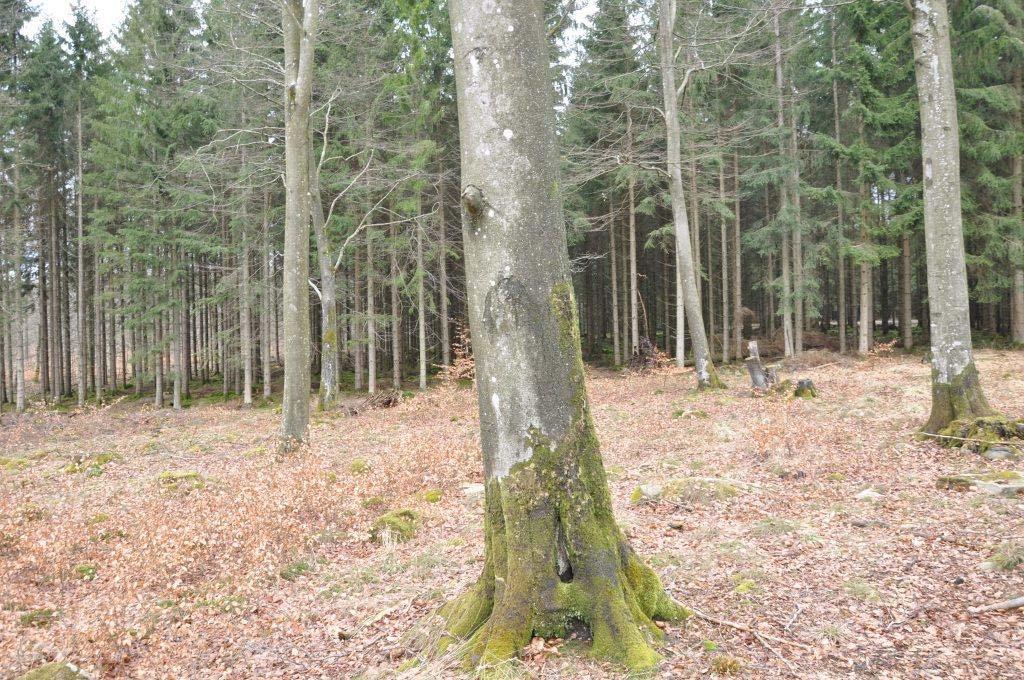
(553, 550)
(724, 230)
(396, 314)
(329, 358)
(634, 288)
(785, 296)
(245, 309)
(840, 218)
(442, 272)
(266, 290)
(737, 263)
(299, 23)
(613, 254)
(371, 321)
(956, 388)
(421, 301)
(906, 320)
(704, 366)
(1017, 244)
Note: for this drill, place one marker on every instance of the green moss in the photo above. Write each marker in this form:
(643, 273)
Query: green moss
(98, 518)
(861, 589)
(771, 526)
(432, 495)
(397, 525)
(39, 618)
(373, 502)
(960, 399)
(177, 480)
(86, 572)
(359, 467)
(14, 464)
(92, 466)
(700, 490)
(295, 570)
(54, 671)
(980, 434)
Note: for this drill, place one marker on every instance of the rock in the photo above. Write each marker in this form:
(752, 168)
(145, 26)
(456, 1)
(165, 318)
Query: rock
(473, 490)
(868, 494)
(646, 493)
(1000, 452)
(1005, 484)
(55, 671)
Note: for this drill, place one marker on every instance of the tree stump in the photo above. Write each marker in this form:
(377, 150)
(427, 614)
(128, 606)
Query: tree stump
(761, 379)
(805, 389)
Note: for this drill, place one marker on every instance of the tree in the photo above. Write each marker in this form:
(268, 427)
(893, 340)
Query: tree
(956, 387)
(299, 22)
(704, 365)
(554, 551)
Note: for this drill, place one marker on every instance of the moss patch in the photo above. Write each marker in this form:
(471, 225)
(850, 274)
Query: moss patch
(92, 466)
(398, 526)
(86, 572)
(432, 495)
(980, 434)
(39, 618)
(295, 570)
(54, 671)
(359, 467)
(178, 480)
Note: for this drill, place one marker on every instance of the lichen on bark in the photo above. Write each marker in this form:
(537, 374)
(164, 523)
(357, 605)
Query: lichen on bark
(554, 556)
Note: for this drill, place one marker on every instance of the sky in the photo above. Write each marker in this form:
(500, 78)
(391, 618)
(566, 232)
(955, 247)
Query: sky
(108, 13)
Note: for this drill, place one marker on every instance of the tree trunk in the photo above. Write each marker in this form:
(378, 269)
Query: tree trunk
(737, 264)
(906, 320)
(396, 314)
(357, 325)
(266, 290)
(785, 296)
(704, 366)
(245, 310)
(1016, 245)
(613, 254)
(442, 272)
(553, 550)
(421, 300)
(956, 388)
(329, 369)
(299, 23)
(634, 291)
(371, 322)
(81, 253)
(19, 307)
(724, 230)
(840, 221)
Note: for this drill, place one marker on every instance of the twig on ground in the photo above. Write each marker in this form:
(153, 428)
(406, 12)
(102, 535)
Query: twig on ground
(1005, 605)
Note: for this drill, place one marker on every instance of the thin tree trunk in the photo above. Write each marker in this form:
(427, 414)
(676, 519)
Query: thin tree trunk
(634, 292)
(613, 254)
(840, 218)
(421, 300)
(329, 358)
(371, 322)
(396, 314)
(442, 272)
(724, 230)
(704, 366)
(737, 264)
(956, 387)
(1016, 246)
(266, 290)
(553, 550)
(357, 326)
(785, 296)
(244, 308)
(906, 322)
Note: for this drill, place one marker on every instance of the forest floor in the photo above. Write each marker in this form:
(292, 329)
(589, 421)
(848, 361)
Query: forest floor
(153, 544)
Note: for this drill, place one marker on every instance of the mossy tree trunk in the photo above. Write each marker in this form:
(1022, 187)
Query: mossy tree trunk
(554, 554)
(956, 390)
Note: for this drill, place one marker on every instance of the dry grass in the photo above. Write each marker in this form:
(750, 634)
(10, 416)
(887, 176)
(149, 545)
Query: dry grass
(265, 568)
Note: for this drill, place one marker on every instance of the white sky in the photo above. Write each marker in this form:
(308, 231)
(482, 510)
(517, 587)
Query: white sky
(107, 13)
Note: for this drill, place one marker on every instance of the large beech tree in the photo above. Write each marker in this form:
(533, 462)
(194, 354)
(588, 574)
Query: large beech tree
(299, 22)
(956, 389)
(553, 550)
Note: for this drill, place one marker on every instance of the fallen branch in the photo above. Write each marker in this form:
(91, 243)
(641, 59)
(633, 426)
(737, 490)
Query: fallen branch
(1005, 605)
(967, 439)
(748, 629)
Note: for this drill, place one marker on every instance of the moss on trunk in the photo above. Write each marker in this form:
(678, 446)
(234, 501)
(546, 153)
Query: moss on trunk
(554, 555)
(960, 399)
